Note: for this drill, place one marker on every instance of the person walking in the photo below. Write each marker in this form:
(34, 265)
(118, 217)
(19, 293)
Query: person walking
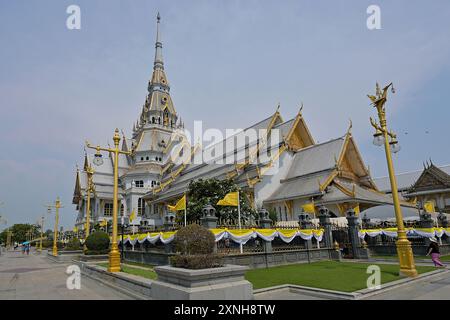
(28, 249)
(433, 250)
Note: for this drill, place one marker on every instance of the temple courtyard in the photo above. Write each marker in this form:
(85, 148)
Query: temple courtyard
(36, 277)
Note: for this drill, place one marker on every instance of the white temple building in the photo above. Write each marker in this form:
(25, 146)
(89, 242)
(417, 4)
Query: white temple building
(331, 173)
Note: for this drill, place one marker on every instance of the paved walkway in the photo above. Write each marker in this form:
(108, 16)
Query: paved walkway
(436, 288)
(35, 277)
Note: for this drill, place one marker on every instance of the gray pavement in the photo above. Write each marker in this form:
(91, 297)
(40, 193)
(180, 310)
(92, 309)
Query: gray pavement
(34, 277)
(436, 288)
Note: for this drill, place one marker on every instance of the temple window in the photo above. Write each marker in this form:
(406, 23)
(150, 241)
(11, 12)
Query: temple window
(141, 205)
(166, 118)
(108, 209)
(139, 183)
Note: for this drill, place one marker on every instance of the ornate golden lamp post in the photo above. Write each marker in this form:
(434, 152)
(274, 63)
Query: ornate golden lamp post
(42, 234)
(89, 189)
(57, 206)
(114, 255)
(389, 139)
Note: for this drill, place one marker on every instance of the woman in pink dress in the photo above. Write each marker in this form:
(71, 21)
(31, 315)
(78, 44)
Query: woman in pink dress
(433, 250)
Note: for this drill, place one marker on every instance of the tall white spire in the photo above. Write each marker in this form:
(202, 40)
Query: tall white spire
(159, 64)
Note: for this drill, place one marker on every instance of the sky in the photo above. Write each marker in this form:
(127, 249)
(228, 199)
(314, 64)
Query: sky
(229, 64)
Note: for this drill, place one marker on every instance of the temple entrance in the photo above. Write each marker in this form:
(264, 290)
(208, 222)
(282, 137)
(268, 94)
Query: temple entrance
(341, 236)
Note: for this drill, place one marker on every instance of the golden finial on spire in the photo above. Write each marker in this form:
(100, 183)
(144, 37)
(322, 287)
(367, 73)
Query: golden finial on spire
(301, 108)
(349, 130)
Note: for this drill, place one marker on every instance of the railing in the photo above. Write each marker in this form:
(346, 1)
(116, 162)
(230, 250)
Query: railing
(227, 246)
(234, 224)
(296, 244)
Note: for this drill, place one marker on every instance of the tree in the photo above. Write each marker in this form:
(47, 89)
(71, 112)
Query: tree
(210, 191)
(20, 232)
(3, 236)
(48, 234)
(273, 215)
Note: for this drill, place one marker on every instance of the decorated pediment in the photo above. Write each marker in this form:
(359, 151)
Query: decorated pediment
(432, 178)
(351, 165)
(299, 135)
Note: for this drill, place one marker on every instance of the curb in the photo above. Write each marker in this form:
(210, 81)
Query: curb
(356, 295)
(97, 269)
(315, 292)
(366, 293)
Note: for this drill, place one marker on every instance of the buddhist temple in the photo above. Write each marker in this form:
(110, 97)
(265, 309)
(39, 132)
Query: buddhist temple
(295, 170)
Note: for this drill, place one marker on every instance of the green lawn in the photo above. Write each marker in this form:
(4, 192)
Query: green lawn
(332, 275)
(148, 273)
(140, 264)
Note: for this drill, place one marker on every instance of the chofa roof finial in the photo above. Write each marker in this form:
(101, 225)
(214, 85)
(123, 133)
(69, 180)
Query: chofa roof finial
(350, 125)
(301, 108)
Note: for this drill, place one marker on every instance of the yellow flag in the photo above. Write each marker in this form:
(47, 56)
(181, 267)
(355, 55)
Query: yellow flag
(413, 201)
(356, 209)
(133, 215)
(103, 223)
(428, 206)
(75, 229)
(181, 205)
(231, 199)
(309, 207)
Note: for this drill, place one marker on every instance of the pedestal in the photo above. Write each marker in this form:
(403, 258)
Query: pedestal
(223, 283)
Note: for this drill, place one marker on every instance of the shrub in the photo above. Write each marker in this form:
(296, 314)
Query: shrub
(48, 243)
(96, 252)
(97, 241)
(198, 261)
(195, 248)
(73, 244)
(194, 239)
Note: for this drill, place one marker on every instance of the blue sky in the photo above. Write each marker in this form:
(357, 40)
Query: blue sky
(229, 63)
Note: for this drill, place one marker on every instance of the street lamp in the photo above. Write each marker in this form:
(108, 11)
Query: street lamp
(89, 189)
(42, 233)
(114, 255)
(57, 206)
(124, 222)
(389, 139)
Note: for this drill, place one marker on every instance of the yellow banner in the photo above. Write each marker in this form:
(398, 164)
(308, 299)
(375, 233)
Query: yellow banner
(167, 235)
(288, 232)
(309, 208)
(240, 232)
(266, 232)
(429, 206)
(181, 205)
(132, 215)
(231, 199)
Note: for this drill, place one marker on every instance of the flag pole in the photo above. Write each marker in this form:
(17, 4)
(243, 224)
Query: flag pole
(185, 213)
(241, 249)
